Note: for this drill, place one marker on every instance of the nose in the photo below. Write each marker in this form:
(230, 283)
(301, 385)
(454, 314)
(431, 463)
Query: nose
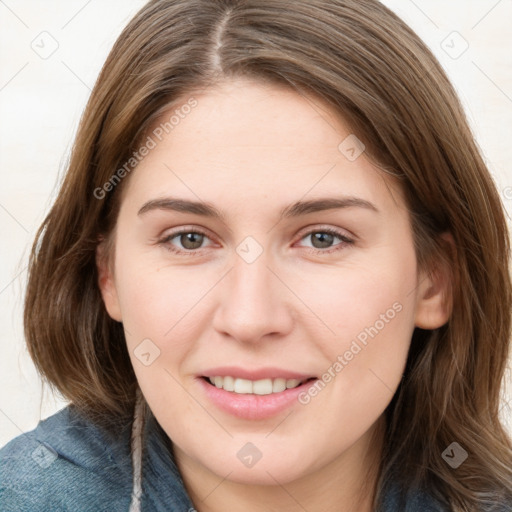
(254, 302)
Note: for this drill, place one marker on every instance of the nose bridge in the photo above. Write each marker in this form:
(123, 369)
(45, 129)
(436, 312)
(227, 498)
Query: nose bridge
(254, 301)
(251, 280)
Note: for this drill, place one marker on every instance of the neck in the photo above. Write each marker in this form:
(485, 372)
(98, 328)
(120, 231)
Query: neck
(348, 481)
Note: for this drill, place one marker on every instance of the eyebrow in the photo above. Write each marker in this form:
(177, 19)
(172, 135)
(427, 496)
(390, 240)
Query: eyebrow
(294, 210)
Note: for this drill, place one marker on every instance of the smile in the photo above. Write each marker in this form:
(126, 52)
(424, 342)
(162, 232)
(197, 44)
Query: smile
(253, 395)
(254, 387)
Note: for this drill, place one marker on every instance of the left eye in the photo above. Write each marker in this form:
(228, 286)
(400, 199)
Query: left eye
(323, 239)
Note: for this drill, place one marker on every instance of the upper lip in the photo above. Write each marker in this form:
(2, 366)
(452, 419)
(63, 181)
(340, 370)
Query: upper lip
(255, 373)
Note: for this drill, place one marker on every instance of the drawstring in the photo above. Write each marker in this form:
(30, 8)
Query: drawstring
(136, 444)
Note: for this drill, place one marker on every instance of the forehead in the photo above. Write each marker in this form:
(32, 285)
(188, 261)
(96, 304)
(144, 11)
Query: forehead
(244, 139)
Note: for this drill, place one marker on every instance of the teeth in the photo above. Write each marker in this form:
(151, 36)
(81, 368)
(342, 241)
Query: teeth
(242, 386)
(228, 383)
(262, 387)
(254, 387)
(278, 385)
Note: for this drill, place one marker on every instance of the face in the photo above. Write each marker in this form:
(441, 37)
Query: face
(268, 325)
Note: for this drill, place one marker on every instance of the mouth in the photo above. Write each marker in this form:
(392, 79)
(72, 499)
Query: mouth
(255, 387)
(253, 395)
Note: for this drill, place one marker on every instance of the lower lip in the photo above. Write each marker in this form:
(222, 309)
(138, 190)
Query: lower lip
(253, 407)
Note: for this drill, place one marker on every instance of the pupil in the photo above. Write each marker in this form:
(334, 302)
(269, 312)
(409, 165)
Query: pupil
(189, 241)
(325, 240)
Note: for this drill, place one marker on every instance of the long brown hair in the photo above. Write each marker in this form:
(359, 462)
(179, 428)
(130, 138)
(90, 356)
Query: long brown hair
(371, 68)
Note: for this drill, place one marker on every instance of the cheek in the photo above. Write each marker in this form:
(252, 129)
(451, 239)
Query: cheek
(155, 299)
(369, 311)
(157, 305)
(364, 300)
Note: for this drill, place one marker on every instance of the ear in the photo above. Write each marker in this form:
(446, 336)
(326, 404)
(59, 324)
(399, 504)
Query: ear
(106, 282)
(434, 296)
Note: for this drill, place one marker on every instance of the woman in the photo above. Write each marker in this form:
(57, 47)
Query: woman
(275, 277)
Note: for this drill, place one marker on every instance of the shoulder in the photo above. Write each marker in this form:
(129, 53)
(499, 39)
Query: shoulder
(421, 501)
(412, 501)
(66, 463)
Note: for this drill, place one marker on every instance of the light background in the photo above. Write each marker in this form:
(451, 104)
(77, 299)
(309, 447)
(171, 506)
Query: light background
(42, 97)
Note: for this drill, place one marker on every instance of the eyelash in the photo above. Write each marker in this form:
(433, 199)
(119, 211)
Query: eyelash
(196, 252)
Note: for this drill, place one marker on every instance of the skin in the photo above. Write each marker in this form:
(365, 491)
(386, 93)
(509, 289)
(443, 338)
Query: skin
(250, 150)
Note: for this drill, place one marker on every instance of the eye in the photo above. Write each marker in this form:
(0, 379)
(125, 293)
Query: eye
(322, 239)
(190, 241)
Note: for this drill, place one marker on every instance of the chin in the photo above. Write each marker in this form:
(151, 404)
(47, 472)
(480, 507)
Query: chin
(241, 462)
(262, 474)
